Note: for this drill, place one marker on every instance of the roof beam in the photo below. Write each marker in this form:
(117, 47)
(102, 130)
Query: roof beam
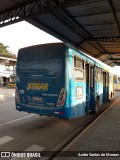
(105, 60)
(76, 23)
(111, 53)
(117, 63)
(114, 15)
(66, 2)
(86, 51)
(55, 32)
(115, 59)
(104, 51)
(68, 25)
(105, 39)
(110, 64)
(100, 55)
(28, 10)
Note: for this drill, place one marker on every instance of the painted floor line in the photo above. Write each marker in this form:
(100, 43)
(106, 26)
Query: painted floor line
(33, 148)
(5, 139)
(16, 120)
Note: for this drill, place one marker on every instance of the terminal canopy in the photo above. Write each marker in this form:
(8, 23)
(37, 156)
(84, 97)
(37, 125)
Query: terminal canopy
(92, 26)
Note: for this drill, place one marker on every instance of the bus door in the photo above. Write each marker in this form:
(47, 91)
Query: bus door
(105, 86)
(87, 71)
(92, 88)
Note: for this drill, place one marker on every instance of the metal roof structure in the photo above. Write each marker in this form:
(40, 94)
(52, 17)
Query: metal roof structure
(7, 61)
(92, 26)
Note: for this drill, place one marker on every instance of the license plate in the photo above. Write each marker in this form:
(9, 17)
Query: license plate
(37, 98)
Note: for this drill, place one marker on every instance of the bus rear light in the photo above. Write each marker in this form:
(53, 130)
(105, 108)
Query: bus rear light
(59, 112)
(61, 98)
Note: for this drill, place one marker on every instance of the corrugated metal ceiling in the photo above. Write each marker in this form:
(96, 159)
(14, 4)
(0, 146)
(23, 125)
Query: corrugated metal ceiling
(92, 26)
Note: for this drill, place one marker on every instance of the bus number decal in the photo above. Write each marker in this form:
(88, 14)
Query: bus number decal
(79, 92)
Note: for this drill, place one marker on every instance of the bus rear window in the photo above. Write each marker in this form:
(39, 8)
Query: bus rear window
(46, 61)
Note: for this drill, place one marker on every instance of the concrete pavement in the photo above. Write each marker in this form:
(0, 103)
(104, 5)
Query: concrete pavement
(102, 136)
(6, 92)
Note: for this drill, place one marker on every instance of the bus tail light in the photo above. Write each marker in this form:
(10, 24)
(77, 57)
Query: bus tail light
(17, 98)
(61, 98)
(59, 112)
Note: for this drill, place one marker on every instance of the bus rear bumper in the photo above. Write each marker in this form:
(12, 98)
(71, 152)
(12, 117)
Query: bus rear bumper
(63, 112)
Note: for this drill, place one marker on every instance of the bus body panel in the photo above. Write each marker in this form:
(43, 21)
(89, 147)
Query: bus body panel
(58, 80)
(41, 89)
(77, 90)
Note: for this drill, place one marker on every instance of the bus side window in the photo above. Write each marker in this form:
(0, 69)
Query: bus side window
(79, 67)
(99, 74)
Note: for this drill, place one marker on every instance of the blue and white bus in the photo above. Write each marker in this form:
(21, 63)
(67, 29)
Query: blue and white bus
(58, 80)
